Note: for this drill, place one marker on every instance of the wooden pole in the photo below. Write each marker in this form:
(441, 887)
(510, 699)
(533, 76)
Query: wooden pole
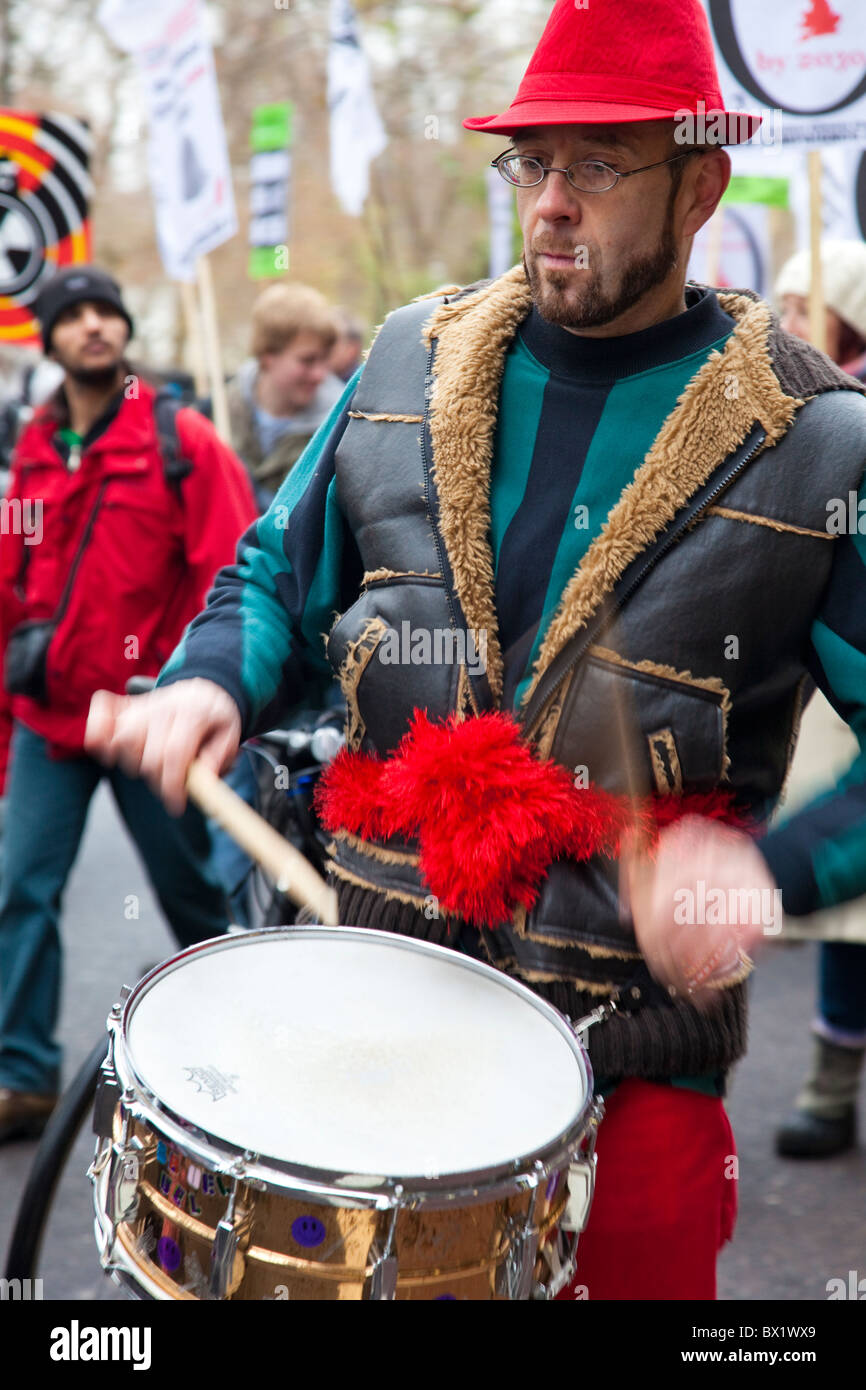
(213, 356)
(783, 239)
(193, 336)
(817, 316)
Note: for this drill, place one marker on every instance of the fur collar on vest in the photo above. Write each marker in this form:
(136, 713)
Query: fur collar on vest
(761, 374)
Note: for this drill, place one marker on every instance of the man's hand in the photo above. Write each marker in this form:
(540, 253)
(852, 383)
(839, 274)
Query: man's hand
(156, 736)
(699, 905)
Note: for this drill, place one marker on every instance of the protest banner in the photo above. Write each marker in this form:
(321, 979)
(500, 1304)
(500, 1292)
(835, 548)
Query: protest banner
(45, 193)
(190, 175)
(803, 62)
(270, 189)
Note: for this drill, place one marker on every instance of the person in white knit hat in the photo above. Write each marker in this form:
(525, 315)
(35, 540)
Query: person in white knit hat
(823, 1121)
(844, 267)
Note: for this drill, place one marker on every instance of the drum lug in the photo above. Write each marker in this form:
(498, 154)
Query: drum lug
(222, 1262)
(108, 1093)
(227, 1262)
(123, 1181)
(381, 1282)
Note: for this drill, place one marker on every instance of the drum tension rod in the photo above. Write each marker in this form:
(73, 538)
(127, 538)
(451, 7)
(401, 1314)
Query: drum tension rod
(515, 1276)
(381, 1283)
(599, 1015)
(230, 1232)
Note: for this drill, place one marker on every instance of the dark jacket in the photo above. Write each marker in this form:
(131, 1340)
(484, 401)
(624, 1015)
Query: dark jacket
(722, 534)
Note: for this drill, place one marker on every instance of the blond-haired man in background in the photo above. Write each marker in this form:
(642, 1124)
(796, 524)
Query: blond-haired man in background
(284, 391)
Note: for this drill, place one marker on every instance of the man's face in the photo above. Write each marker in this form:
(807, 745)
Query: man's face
(296, 373)
(88, 340)
(590, 257)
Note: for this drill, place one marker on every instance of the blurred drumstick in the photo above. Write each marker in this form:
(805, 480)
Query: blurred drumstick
(292, 873)
(637, 867)
(633, 859)
(629, 736)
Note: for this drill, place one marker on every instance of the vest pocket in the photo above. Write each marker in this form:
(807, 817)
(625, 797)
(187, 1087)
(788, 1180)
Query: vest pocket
(643, 726)
(631, 727)
(395, 651)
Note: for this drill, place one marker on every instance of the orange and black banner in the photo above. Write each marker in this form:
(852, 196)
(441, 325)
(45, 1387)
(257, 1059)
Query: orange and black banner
(44, 204)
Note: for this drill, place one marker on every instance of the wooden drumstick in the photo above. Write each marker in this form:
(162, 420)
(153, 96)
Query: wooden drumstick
(292, 873)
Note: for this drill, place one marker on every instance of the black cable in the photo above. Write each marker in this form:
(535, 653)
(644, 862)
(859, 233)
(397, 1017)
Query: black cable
(54, 1149)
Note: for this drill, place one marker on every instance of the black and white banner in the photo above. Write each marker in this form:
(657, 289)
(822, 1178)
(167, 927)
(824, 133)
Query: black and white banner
(803, 58)
(189, 166)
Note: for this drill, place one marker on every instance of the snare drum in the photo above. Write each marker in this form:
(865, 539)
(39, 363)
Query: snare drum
(335, 1113)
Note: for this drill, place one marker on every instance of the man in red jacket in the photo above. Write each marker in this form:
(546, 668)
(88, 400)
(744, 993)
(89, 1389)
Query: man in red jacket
(105, 556)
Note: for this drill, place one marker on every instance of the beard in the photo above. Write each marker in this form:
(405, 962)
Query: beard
(99, 377)
(94, 378)
(563, 299)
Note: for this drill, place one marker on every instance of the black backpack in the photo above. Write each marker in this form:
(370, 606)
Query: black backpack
(175, 466)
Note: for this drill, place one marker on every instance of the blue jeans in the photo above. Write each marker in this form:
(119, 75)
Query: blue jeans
(842, 990)
(47, 808)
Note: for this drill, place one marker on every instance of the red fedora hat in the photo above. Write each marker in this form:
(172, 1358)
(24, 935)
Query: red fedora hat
(624, 60)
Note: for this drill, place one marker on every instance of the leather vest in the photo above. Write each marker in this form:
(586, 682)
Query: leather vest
(676, 659)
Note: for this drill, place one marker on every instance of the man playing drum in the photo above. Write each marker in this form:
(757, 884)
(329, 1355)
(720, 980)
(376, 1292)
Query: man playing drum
(607, 489)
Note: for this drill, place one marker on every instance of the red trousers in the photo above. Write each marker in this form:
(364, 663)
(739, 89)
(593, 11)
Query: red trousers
(665, 1197)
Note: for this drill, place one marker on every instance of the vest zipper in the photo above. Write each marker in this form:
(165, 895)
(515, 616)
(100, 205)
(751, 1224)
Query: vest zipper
(428, 383)
(543, 694)
(688, 521)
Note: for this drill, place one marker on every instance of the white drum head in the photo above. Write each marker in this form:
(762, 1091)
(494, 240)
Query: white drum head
(356, 1053)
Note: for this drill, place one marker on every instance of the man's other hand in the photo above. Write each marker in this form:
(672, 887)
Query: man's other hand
(699, 905)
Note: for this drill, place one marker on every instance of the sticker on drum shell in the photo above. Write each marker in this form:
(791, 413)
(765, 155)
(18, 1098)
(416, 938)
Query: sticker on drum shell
(168, 1251)
(308, 1231)
(212, 1080)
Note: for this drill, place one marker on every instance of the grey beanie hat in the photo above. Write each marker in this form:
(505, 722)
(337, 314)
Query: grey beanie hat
(844, 274)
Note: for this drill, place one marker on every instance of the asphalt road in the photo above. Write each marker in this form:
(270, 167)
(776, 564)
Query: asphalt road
(800, 1224)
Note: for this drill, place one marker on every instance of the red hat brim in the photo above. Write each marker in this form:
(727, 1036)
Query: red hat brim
(741, 125)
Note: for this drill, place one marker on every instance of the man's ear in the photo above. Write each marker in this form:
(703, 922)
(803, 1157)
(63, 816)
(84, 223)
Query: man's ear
(707, 186)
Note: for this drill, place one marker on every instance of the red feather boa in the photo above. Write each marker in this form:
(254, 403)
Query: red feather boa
(488, 816)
